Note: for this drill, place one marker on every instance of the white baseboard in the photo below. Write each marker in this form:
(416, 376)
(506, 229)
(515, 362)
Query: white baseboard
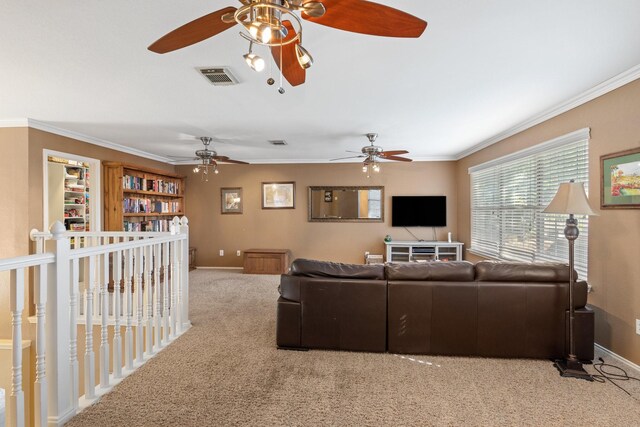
(218, 268)
(620, 359)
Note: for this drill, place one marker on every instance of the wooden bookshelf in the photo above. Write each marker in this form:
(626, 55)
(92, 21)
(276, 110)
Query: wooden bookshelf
(140, 199)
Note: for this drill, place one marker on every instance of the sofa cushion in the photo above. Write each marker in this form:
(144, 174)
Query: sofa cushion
(452, 271)
(312, 268)
(501, 271)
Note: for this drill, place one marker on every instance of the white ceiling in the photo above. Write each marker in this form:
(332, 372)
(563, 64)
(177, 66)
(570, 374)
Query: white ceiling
(480, 70)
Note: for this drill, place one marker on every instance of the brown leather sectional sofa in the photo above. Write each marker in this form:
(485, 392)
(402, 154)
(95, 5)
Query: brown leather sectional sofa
(492, 309)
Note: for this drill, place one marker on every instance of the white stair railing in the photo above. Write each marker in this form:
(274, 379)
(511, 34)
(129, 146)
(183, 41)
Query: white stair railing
(94, 282)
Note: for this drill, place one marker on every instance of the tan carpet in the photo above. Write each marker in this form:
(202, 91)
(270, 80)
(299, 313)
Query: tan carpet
(227, 371)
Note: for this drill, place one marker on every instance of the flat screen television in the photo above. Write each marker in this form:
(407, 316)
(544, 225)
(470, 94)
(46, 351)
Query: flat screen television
(419, 211)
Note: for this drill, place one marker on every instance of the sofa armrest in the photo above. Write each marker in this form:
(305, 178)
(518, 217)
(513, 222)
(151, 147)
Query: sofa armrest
(288, 324)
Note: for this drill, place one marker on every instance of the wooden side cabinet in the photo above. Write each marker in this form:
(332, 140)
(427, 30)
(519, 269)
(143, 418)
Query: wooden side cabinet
(266, 261)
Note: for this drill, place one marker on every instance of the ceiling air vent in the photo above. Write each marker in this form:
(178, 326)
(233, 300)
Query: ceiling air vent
(219, 76)
(277, 142)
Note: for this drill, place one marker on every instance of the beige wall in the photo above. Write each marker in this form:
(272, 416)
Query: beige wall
(14, 212)
(21, 169)
(288, 228)
(614, 236)
(14, 176)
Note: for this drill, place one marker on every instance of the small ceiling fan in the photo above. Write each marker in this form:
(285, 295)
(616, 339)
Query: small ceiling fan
(209, 159)
(276, 24)
(372, 153)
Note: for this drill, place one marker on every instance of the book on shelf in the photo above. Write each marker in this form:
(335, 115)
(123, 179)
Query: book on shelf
(151, 225)
(156, 185)
(143, 205)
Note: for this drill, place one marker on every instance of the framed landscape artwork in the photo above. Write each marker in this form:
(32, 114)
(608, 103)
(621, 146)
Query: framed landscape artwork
(278, 195)
(620, 180)
(231, 200)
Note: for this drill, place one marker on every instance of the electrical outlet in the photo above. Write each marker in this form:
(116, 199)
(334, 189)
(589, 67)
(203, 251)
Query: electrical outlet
(221, 252)
(638, 326)
(237, 253)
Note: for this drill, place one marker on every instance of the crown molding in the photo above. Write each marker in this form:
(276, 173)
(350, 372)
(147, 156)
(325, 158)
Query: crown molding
(312, 161)
(36, 124)
(14, 123)
(605, 87)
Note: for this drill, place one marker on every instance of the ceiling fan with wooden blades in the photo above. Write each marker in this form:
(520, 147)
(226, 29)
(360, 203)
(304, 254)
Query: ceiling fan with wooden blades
(277, 24)
(208, 159)
(372, 153)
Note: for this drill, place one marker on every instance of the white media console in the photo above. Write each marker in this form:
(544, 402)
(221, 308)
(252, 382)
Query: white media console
(417, 251)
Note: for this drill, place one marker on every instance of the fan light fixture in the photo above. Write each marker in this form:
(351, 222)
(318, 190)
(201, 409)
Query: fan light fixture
(371, 153)
(370, 165)
(304, 57)
(264, 24)
(209, 159)
(254, 61)
(277, 25)
(207, 167)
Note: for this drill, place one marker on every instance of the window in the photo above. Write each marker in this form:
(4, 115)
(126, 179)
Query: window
(508, 195)
(374, 199)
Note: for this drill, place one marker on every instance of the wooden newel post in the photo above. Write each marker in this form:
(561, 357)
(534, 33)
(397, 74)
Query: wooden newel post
(58, 366)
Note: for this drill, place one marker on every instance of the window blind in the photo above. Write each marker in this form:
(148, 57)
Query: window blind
(508, 196)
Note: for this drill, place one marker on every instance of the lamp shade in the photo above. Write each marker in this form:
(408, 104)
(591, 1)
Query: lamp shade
(570, 199)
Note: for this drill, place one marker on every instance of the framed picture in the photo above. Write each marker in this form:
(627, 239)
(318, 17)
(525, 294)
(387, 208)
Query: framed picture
(620, 180)
(231, 199)
(278, 195)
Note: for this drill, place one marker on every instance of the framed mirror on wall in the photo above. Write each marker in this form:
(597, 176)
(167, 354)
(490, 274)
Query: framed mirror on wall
(346, 204)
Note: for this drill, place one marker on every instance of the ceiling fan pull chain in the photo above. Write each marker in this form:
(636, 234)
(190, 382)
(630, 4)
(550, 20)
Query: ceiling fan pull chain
(281, 89)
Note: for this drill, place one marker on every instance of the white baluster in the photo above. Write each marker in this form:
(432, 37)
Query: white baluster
(128, 333)
(16, 400)
(138, 261)
(176, 277)
(178, 283)
(174, 290)
(112, 295)
(157, 312)
(40, 386)
(73, 333)
(97, 289)
(89, 357)
(104, 317)
(184, 274)
(148, 300)
(165, 293)
(117, 345)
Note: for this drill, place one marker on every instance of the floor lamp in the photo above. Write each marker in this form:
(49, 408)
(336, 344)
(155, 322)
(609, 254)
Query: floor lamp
(572, 200)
